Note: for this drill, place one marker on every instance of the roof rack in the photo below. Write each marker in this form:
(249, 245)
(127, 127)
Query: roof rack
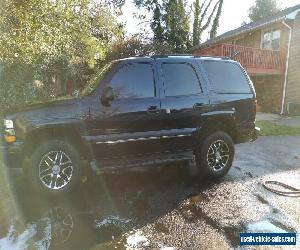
(221, 57)
(171, 55)
(188, 55)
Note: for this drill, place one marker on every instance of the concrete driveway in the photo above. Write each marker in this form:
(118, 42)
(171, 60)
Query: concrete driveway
(167, 208)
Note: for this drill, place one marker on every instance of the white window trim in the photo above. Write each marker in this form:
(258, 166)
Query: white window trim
(270, 31)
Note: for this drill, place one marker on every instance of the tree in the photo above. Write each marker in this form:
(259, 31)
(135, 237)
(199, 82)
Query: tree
(169, 24)
(201, 23)
(54, 36)
(215, 25)
(131, 46)
(156, 8)
(177, 26)
(196, 27)
(156, 24)
(263, 8)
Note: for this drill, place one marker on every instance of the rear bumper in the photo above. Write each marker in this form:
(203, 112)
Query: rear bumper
(247, 133)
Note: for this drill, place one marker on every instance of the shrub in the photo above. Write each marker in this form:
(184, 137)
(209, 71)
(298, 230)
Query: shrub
(18, 87)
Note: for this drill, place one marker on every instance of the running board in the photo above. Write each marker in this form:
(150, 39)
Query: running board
(108, 165)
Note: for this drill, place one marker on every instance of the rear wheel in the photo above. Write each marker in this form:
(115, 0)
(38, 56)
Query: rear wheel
(215, 154)
(55, 167)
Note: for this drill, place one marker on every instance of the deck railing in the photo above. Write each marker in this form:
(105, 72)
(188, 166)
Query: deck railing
(249, 57)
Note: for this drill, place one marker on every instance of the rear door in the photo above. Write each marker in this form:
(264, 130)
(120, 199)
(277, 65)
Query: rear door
(184, 99)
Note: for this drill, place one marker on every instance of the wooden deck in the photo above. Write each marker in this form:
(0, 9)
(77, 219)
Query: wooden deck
(255, 61)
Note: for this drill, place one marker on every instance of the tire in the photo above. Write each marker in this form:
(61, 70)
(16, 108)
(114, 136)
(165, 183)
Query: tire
(215, 154)
(55, 167)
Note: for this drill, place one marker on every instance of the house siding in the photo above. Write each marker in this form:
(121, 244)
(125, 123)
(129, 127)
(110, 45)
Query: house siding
(293, 83)
(269, 92)
(248, 40)
(253, 39)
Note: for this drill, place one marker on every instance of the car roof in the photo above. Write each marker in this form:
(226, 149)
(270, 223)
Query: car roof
(174, 57)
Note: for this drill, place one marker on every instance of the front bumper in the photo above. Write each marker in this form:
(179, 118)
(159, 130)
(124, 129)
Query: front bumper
(11, 154)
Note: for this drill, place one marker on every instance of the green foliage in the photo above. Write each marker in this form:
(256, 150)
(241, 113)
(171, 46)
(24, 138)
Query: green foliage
(203, 15)
(48, 30)
(156, 7)
(263, 8)
(156, 25)
(177, 26)
(196, 27)
(169, 24)
(136, 45)
(215, 25)
(34, 30)
(56, 39)
(16, 86)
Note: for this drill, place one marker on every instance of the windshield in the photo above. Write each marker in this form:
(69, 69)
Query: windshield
(95, 81)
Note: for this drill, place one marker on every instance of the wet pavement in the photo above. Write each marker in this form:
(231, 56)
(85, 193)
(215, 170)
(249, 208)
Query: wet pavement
(169, 207)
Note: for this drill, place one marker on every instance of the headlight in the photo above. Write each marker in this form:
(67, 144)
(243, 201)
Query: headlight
(9, 132)
(8, 124)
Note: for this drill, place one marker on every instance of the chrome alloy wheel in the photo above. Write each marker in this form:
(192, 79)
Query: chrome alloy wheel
(55, 170)
(218, 155)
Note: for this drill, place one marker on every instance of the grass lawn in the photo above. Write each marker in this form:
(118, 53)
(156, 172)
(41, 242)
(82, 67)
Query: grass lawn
(270, 128)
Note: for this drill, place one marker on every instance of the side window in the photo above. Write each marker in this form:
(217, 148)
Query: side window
(134, 80)
(226, 77)
(180, 79)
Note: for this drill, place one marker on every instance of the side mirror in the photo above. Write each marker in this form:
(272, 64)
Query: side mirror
(107, 96)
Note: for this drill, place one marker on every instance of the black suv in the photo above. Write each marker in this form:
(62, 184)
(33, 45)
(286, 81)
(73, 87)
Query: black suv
(137, 111)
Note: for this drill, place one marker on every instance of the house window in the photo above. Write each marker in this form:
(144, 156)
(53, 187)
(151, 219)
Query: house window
(271, 40)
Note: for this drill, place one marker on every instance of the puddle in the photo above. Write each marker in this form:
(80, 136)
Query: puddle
(112, 220)
(102, 213)
(17, 240)
(266, 226)
(136, 240)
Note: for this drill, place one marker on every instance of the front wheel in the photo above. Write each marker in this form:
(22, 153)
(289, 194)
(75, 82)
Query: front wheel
(55, 167)
(215, 154)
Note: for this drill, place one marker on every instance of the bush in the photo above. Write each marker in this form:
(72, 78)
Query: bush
(18, 86)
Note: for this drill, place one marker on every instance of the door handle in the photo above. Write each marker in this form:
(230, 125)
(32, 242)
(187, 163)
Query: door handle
(153, 110)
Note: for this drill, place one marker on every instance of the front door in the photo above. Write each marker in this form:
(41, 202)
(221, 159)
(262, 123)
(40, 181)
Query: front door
(130, 124)
(182, 104)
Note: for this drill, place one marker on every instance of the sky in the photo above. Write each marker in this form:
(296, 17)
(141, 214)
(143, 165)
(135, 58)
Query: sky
(233, 14)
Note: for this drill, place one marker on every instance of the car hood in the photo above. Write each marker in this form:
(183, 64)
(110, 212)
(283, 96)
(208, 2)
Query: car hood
(48, 112)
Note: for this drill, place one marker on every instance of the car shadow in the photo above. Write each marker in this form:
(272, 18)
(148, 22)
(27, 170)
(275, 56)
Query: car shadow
(107, 206)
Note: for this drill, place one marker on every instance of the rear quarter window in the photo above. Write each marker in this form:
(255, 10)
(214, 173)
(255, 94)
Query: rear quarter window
(226, 77)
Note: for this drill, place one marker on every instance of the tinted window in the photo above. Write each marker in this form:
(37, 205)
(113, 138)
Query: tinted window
(180, 79)
(134, 80)
(93, 84)
(226, 77)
